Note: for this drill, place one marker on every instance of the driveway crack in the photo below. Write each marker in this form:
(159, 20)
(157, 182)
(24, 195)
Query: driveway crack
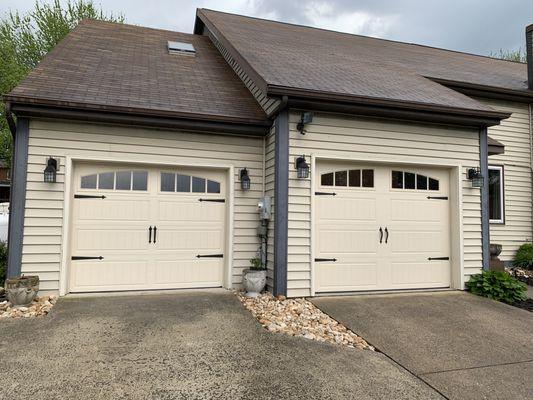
(476, 367)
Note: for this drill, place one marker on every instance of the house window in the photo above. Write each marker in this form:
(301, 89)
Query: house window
(496, 208)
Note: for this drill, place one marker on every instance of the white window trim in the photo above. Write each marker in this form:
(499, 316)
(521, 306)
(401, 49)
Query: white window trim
(502, 197)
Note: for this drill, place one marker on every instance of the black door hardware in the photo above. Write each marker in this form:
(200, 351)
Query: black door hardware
(437, 197)
(155, 233)
(86, 258)
(88, 196)
(209, 255)
(386, 235)
(325, 194)
(214, 200)
(438, 258)
(380, 234)
(325, 259)
(150, 235)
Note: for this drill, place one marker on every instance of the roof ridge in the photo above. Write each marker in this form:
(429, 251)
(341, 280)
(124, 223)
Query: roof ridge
(91, 20)
(364, 36)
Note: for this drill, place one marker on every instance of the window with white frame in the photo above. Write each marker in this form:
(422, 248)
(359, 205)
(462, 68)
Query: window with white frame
(496, 196)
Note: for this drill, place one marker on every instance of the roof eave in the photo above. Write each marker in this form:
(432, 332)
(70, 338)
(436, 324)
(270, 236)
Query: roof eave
(494, 92)
(335, 102)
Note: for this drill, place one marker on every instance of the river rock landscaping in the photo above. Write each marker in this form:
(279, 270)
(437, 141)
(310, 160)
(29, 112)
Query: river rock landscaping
(299, 317)
(39, 307)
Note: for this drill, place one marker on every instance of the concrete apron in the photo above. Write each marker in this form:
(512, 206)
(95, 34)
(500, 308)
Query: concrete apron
(465, 346)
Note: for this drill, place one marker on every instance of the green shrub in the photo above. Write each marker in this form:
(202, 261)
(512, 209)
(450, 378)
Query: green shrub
(497, 285)
(3, 262)
(524, 256)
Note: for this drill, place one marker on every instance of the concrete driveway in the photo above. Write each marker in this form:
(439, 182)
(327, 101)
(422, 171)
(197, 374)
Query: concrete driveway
(183, 346)
(465, 346)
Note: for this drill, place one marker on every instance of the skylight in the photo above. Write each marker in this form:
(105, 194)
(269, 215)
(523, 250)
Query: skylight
(181, 48)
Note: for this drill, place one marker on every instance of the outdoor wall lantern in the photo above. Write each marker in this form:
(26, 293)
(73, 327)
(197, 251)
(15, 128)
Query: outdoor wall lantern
(245, 179)
(50, 172)
(306, 118)
(302, 167)
(474, 175)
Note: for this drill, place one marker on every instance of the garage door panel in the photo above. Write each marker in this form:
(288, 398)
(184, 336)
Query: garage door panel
(119, 209)
(112, 274)
(337, 242)
(422, 274)
(422, 210)
(197, 240)
(193, 273)
(343, 209)
(416, 242)
(115, 240)
(339, 277)
(191, 210)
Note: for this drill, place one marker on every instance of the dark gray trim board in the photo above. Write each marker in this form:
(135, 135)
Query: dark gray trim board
(229, 127)
(281, 203)
(529, 55)
(17, 201)
(485, 221)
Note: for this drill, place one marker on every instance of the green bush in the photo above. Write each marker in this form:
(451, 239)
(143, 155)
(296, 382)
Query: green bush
(524, 256)
(3, 262)
(497, 285)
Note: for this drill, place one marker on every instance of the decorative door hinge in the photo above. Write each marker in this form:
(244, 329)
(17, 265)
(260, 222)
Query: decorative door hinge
(88, 196)
(75, 258)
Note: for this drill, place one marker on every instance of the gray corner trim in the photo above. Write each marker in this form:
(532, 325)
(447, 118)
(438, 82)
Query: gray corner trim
(281, 203)
(17, 201)
(529, 56)
(485, 223)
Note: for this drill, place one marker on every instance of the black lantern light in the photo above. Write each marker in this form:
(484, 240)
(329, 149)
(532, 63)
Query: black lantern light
(306, 118)
(50, 172)
(302, 168)
(245, 179)
(474, 175)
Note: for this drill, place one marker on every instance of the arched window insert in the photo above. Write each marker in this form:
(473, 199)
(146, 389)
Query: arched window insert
(171, 182)
(349, 178)
(116, 180)
(412, 181)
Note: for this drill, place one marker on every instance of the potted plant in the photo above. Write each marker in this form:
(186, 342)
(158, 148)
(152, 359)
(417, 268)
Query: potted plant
(21, 291)
(254, 278)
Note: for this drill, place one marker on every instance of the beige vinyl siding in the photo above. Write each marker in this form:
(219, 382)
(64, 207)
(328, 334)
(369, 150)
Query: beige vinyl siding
(515, 134)
(347, 137)
(43, 225)
(268, 104)
(270, 167)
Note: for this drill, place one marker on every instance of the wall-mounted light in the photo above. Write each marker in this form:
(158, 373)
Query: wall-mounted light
(50, 172)
(245, 179)
(306, 118)
(474, 175)
(302, 168)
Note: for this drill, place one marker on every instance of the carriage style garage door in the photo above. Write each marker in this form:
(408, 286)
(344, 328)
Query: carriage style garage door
(381, 228)
(146, 228)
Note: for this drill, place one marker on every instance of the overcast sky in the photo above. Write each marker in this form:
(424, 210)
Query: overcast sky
(476, 26)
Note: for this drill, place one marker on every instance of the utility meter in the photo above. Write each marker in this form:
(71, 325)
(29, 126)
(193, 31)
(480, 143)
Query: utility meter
(265, 208)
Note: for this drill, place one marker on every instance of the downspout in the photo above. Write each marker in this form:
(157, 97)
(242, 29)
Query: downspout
(11, 122)
(485, 222)
(13, 128)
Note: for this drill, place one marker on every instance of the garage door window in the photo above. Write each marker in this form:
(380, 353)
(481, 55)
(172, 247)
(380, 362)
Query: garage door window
(412, 181)
(116, 180)
(171, 182)
(349, 178)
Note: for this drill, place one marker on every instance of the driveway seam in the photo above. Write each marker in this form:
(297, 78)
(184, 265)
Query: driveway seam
(477, 367)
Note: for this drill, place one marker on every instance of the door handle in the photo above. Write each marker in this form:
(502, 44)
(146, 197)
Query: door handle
(386, 235)
(150, 235)
(155, 233)
(380, 234)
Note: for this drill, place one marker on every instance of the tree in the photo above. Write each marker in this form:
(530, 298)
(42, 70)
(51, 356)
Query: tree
(510, 55)
(25, 40)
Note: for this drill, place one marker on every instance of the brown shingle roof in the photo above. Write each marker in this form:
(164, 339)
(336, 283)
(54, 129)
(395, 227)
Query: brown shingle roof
(288, 57)
(116, 67)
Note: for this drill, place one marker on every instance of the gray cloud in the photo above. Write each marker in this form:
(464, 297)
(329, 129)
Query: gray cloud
(477, 26)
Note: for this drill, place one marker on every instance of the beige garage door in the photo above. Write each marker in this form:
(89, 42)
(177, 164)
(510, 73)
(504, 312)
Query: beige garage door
(381, 228)
(147, 228)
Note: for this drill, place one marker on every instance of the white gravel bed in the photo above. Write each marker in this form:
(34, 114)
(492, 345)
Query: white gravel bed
(40, 306)
(299, 317)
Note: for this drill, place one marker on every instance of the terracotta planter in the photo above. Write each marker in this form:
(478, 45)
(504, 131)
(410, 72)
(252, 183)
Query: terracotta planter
(21, 291)
(254, 281)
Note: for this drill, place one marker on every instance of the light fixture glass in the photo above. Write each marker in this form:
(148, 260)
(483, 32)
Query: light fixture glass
(50, 172)
(475, 176)
(302, 168)
(245, 179)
